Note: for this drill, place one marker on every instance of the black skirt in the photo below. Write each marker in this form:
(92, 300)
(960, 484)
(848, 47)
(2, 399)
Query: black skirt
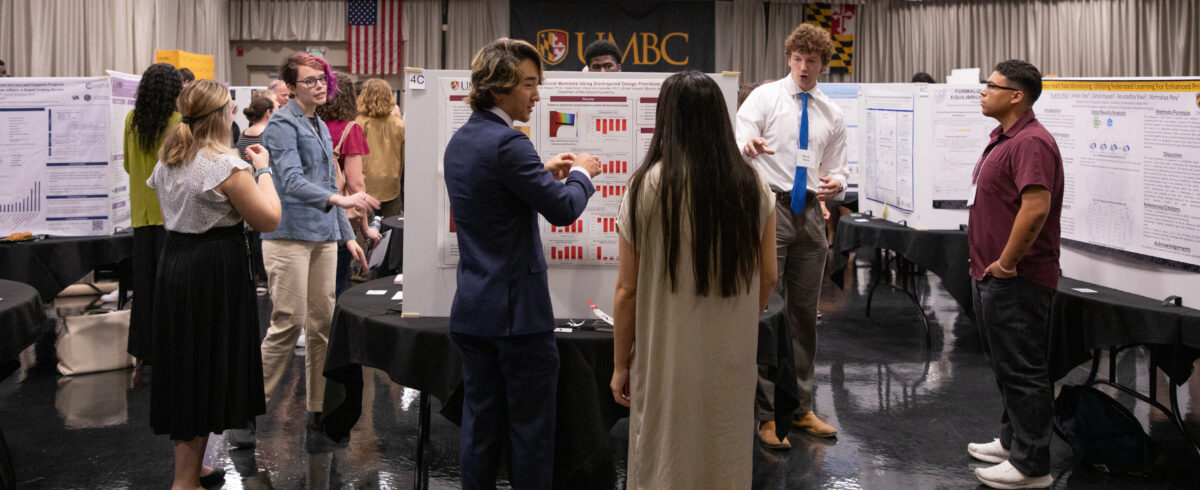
(207, 363)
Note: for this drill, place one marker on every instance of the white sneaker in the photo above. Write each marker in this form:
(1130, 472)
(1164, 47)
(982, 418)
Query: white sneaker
(991, 452)
(1005, 476)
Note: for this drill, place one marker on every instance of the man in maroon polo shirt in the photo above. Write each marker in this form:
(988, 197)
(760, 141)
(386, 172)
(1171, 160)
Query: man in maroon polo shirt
(1013, 237)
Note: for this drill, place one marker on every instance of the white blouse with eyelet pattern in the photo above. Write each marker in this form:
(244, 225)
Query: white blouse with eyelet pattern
(188, 193)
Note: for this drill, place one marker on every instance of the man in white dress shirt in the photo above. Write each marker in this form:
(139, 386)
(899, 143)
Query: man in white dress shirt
(796, 137)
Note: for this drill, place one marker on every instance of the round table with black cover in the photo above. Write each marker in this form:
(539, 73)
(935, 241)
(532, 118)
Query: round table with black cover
(51, 264)
(368, 330)
(22, 322)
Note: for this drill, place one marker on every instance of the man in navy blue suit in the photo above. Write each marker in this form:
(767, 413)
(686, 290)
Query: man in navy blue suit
(501, 319)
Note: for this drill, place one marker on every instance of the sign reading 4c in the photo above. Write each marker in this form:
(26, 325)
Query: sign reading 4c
(416, 78)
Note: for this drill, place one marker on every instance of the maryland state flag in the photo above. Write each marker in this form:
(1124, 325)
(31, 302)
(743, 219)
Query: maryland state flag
(839, 21)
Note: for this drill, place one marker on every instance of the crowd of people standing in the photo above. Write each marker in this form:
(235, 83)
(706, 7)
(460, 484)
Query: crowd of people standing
(722, 212)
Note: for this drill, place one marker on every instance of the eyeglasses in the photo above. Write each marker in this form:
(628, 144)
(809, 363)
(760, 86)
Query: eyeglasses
(312, 82)
(992, 86)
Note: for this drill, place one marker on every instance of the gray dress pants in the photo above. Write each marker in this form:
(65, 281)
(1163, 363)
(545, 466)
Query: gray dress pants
(800, 249)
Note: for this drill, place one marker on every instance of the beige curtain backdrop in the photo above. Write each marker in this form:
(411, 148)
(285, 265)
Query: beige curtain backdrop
(896, 38)
(470, 24)
(287, 20)
(422, 24)
(742, 42)
(76, 38)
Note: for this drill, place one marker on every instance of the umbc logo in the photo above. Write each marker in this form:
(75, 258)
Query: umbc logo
(456, 85)
(552, 45)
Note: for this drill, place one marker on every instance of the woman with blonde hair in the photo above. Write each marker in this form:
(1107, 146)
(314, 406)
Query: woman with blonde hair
(384, 166)
(207, 369)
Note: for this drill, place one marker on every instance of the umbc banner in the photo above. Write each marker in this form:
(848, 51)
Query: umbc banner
(652, 36)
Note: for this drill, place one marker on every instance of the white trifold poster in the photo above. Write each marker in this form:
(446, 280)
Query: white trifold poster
(1131, 159)
(60, 161)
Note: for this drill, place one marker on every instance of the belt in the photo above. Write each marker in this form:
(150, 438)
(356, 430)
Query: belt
(785, 198)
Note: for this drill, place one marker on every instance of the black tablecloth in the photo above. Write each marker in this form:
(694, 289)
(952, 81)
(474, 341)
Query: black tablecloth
(418, 353)
(22, 321)
(942, 251)
(52, 264)
(1081, 322)
(393, 260)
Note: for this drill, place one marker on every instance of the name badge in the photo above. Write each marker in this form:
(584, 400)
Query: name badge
(971, 198)
(806, 158)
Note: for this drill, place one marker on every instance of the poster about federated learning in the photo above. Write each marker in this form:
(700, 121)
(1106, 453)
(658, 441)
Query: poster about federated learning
(1131, 159)
(612, 119)
(55, 172)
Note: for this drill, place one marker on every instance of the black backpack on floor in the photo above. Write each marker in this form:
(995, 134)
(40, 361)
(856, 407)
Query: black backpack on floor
(1103, 434)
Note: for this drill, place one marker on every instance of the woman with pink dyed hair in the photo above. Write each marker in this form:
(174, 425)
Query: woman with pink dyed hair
(301, 255)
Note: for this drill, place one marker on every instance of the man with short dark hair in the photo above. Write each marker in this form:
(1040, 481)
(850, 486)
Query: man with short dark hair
(1013, 240)
(922, 77)
(187, 76)
(501, 319)
(3, 69)
(602, 55)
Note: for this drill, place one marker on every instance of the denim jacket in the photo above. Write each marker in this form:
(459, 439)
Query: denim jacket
(303, 169)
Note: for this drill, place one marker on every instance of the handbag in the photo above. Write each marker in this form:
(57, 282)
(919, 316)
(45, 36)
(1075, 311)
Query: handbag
(95, 341)
(351, 214)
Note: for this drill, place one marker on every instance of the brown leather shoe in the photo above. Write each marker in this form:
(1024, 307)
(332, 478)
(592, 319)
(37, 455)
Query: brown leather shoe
(815, 426)
(766, 434)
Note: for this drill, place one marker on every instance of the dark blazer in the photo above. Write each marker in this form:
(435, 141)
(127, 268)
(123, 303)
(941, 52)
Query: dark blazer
(498, 185)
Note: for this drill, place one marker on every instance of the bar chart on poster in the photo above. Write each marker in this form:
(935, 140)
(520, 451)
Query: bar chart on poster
(61, 155)
(610, 117)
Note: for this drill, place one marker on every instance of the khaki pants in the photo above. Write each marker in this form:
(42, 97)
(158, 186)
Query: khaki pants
(300, 278)
(800, 248)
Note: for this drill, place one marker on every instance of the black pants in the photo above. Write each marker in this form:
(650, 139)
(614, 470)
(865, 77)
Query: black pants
(509, 389)
(147, 249)
(1014, 320)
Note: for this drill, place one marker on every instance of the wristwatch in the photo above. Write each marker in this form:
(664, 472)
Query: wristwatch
(264, 170)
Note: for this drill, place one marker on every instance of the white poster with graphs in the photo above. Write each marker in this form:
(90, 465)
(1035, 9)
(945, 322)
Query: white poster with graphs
(60, 157)
(610, 115)
(1131, 158)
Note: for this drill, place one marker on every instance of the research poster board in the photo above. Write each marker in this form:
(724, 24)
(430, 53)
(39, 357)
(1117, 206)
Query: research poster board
(124, 94)
(846, 96)
(1131, 159)
(610, 115)
(60, 173)
(959, 132)
(241, 99)
(888, 144)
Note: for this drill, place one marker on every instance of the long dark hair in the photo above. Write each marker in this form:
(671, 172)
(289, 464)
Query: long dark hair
(693, 143)
(155, 102)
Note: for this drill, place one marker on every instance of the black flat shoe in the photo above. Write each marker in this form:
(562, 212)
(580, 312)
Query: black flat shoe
(216, 479)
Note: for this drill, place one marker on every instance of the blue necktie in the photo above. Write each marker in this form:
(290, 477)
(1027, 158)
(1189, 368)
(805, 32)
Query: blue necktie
(800, 183)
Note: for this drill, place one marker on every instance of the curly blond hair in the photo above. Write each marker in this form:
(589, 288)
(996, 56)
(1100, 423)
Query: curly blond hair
(376, 99)
(809, 38)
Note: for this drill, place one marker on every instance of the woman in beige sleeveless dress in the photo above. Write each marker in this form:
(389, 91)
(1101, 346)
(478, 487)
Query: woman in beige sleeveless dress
(697, 265)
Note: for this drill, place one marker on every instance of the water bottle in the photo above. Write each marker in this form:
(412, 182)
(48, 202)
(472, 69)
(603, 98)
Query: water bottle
(377, 223)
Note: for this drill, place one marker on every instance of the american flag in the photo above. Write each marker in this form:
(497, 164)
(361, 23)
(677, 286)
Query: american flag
(373, 36)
